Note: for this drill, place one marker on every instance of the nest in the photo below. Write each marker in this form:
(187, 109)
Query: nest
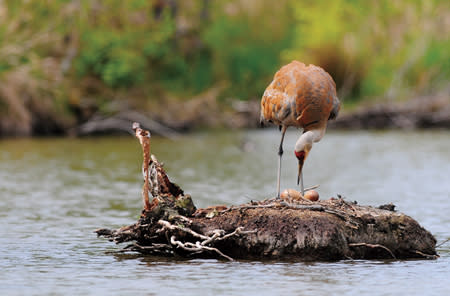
(333, 229)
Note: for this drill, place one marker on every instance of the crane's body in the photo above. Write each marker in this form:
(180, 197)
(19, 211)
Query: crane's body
(304, 97)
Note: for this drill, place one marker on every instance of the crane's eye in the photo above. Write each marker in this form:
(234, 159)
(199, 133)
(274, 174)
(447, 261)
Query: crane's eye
(300, 155)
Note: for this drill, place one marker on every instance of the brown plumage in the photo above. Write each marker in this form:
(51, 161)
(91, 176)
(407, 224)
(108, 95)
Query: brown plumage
(304, 97)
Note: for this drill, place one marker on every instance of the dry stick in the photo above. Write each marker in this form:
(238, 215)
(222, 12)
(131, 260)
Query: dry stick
(218, 234)
(216, 250)
(372, 246)
(238, 230)
(312, 187)
(167, 225)
(198, 247)
(144, 139)
(183, 218)
(443, 243)
(243, 207)
(428, 256)
(313, 207)
(303, 207)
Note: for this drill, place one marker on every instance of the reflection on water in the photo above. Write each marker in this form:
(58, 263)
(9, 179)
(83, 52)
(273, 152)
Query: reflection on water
(55, 192)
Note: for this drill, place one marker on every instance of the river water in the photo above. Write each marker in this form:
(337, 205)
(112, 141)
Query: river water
(55, 192)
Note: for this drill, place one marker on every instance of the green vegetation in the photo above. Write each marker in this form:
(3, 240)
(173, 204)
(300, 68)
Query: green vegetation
(375, 49)
(56, 56)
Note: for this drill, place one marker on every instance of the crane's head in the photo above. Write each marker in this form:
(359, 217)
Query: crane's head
(302, 148)
(301, 156)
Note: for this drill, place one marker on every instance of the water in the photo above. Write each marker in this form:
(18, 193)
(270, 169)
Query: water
(55, 192)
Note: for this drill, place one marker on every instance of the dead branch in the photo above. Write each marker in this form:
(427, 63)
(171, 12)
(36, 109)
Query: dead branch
(238, 230)
(197, 247)
(204, 245)
(167, 225)
(372, 246)
(428, 256)
(144, 139)
(312, 187)
(447, 240)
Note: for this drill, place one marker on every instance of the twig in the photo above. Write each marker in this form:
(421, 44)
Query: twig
(243, 207)
(217, 251)
(428, 256)
(216, 234)
(372, 246)
(447, 240)
(312, 187)
(238, 230)
(183, 218)
(303, 207)
(200, 246)
(170, 226)
(197, 247)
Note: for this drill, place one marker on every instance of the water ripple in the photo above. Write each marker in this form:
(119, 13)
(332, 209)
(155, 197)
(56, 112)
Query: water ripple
(55, 192)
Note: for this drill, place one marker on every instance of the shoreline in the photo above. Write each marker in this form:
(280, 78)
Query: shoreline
(174, 118)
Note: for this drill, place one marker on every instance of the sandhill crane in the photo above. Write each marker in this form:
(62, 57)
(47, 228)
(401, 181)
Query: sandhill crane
(300, 96)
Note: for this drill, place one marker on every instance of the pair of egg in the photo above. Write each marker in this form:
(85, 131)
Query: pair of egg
(311, 195)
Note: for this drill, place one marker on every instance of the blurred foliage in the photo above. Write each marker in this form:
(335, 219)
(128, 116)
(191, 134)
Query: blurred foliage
(55, 54)
(374, 49)
(246, 43)
(127, 48)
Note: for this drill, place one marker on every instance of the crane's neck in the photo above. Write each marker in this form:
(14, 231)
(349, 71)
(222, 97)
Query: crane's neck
(307, 139)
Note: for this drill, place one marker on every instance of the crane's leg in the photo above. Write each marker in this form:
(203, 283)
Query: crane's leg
(280, 153)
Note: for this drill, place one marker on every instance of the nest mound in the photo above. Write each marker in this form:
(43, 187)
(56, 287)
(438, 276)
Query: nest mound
(324, 230)
(333, 229)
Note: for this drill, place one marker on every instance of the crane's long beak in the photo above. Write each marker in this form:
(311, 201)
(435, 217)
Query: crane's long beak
(300, 175)
(300, 167)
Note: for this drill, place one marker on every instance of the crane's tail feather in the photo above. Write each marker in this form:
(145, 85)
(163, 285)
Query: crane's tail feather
(335, 110)
(262, 120)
